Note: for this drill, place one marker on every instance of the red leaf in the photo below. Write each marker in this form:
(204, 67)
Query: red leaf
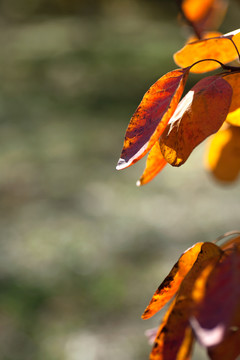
(152, 116)
(199, 114)
(221, 298)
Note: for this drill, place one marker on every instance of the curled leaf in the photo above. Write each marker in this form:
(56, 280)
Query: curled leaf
(223, 48)
(155, 163)
(152, 116)
(199, 114)
(223, 157)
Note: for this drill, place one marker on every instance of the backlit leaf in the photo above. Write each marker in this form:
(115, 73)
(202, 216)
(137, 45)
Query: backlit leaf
(222, 292)
(155, 163)
(233, 117)
(223, 158)
(199, 114)
(172, 332)
(212, 46)
(152, 116)
(170, 285)
(229, 348)
(205, 14)
(195, 10)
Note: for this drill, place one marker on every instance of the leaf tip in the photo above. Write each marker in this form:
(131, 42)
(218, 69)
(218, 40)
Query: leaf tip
(122, 164)
(138, 183)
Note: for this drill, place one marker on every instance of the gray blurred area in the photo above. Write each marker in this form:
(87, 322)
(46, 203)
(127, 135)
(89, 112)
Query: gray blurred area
(82, 249)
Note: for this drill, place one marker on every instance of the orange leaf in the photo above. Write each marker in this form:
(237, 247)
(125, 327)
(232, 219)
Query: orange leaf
(223, 158)
(205, 14)
(195, 10)
(212, 46)
(233, 117)
(199, 114)
(155, 163)
(171, 335)
(220, 301)
(152, 116)
(171, 284)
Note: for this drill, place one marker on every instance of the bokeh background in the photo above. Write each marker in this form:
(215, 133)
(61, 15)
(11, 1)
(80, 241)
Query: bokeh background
(82, 249)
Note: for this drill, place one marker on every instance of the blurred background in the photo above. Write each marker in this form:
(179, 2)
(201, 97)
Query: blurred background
(82, 249)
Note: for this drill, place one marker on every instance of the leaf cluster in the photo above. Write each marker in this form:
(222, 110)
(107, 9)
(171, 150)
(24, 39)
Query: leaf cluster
(169, 128)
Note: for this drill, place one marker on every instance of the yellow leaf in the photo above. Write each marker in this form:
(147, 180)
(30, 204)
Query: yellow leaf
(233, 117)
(223, 158)
(212, 46)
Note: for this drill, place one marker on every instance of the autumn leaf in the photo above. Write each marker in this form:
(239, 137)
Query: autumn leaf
(199, 114)
(155, 163)
(223, 48)
(204, 15)
(223, 154)
(222, 292)
(195, 10)
(152, 116)
(171, 335)
(171, 284)
(233, 117)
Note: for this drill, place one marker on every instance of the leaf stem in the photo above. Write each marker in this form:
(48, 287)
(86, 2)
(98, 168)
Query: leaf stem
(189, 22)
(225, 67)
(227, 234)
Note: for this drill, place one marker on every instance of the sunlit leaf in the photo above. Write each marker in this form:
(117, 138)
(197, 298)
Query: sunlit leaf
(234, 112)
(172, 332)
(152, 116)
(155, 163)
(222, 291)
(205, 14)
(212, 46)
(199, 114)
(223, 158)
(185, 350)
(195, 10)
(170, 285)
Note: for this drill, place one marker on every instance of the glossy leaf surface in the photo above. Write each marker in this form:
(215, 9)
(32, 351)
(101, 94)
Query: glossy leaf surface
(199, 114)
(152, 116)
